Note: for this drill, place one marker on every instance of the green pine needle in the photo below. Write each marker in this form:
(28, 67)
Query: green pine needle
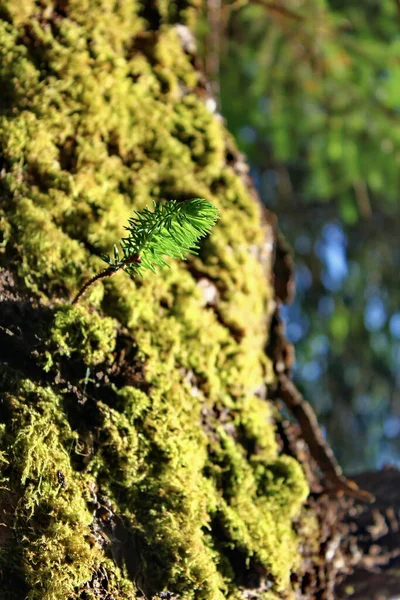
(170, 230)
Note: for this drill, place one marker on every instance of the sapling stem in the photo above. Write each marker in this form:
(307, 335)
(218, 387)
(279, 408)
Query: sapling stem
(111, 270)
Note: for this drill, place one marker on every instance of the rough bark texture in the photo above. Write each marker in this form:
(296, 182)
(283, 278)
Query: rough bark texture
(374, 535)
(140, 455)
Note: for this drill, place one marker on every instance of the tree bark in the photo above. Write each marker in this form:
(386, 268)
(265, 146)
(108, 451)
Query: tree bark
(375, 529)
(142, 452)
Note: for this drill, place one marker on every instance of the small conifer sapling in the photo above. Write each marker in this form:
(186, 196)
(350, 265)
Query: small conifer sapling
(170, 230)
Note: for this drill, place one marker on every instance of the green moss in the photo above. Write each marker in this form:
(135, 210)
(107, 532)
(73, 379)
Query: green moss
(147, 387)
(83, 334)
(52, 520)
(57, 551)
(249, 510)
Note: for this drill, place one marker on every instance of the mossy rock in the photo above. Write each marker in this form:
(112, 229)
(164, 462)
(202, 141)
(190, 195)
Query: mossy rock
(137, 454)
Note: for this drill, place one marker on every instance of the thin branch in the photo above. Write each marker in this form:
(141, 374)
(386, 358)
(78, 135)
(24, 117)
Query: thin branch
(111, 270)
(213, 44)
(319, 448)
(276, 8)
(362, 197)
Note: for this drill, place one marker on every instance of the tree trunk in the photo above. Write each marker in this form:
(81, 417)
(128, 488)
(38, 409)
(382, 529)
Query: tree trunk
(141, 451)
(375, 531)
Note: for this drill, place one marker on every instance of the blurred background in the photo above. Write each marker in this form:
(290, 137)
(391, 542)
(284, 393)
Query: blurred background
(311, 91)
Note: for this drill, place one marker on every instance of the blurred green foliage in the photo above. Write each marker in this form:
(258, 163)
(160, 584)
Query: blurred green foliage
(311, 90)
(322, 87)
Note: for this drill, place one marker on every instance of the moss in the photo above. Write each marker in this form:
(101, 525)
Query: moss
(81, 333)
(147, 389)
(254, 494)
(52, 519)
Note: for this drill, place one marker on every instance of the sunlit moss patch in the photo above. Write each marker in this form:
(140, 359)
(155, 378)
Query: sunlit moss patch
(147, 390)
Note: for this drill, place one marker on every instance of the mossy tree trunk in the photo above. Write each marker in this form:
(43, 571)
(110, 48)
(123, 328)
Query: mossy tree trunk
(139, 452)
